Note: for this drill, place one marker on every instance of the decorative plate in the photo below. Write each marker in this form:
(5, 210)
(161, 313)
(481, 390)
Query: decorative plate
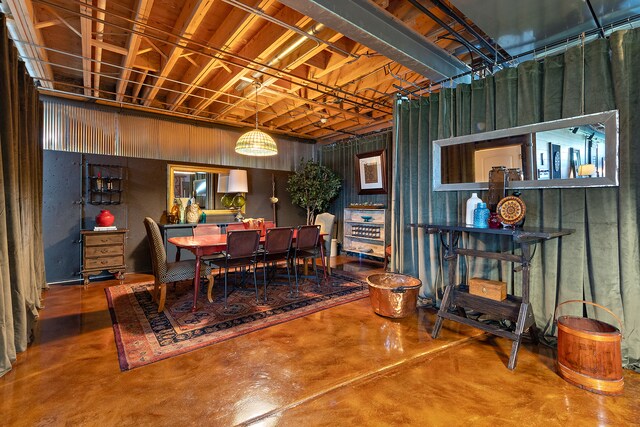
(511, 209)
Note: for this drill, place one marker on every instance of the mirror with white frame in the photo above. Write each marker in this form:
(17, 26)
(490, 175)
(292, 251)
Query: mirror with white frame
(574, 152)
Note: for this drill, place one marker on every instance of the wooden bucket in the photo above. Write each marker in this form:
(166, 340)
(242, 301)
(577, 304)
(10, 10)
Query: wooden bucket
(589, 354)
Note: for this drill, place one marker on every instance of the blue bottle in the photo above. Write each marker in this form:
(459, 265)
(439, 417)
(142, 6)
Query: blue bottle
(481, 216)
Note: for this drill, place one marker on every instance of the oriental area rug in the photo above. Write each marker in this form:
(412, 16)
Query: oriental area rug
(144, 336)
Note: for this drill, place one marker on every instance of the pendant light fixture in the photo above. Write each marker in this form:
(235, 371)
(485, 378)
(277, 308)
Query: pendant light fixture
(256, 142)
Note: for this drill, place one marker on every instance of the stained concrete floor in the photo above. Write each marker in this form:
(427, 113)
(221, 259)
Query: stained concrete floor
(341, 366)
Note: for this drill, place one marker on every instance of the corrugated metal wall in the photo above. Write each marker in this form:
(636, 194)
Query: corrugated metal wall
(88, 128)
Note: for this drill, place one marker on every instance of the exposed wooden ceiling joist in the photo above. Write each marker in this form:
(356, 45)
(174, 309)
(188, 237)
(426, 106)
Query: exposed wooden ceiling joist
(327, 70)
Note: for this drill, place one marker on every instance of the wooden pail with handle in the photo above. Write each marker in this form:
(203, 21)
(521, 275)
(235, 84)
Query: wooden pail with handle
(589, 354)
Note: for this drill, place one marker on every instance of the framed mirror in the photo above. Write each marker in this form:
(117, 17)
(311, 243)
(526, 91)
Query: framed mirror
(575, 152)
(200, 182)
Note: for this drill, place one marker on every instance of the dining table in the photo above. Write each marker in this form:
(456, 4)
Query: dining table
(215, 243)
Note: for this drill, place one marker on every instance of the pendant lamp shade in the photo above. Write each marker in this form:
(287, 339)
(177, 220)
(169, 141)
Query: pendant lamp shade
(256, 142)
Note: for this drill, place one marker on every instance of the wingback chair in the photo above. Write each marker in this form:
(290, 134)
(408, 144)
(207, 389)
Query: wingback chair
(326, 221)
(167, 272)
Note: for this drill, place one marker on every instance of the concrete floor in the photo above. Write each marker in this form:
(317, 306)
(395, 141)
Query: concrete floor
(342, 366)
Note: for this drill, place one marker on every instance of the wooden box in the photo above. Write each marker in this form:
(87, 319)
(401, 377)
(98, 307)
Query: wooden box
(492, 289)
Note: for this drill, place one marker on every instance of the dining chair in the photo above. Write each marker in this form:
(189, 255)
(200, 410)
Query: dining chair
(306, 247)
(213, 260)
(242, 248)
(206, 230)
(167, 272)
(326, 221)
(277, 247)
(235, 226)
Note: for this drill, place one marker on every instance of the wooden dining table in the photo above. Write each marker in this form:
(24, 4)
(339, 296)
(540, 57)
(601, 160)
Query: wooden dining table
(215, 243)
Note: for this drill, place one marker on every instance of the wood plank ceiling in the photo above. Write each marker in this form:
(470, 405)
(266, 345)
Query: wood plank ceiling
(206, 59)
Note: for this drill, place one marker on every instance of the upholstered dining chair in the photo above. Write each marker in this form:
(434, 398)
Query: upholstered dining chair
(306, 247)
(326, 221)
(277, 247)
(167, 272)
(242, 248)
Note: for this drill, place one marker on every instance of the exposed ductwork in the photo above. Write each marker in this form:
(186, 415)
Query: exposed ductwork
(375, 28)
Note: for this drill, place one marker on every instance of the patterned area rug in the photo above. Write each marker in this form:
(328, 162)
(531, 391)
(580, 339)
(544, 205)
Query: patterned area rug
(144, 336)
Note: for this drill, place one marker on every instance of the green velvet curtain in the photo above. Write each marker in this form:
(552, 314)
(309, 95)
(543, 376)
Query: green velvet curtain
(599, 262)
(341, 158)
(21, 251)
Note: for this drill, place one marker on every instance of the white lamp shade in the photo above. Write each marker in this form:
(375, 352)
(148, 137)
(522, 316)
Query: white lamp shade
(223, 183)
(256, 143)
(238, 181)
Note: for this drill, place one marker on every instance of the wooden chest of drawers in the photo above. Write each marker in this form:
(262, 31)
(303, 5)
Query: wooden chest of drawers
(103, 251)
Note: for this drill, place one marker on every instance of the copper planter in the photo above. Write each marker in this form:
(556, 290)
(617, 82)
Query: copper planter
(393, 295)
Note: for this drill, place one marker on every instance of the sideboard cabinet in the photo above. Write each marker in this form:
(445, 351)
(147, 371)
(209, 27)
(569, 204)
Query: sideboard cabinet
(364, 231)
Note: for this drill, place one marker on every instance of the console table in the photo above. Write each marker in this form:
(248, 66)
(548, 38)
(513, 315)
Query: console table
(516, 309)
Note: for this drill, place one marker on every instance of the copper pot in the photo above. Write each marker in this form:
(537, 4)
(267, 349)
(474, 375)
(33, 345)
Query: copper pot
(393, 294)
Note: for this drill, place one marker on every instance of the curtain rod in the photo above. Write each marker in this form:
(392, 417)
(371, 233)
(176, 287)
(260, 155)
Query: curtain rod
(596, 31)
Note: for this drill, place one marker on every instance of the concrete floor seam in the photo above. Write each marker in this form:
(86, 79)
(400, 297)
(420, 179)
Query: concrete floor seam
(360, 378)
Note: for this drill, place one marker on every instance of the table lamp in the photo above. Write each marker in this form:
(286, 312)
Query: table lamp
(237, 183)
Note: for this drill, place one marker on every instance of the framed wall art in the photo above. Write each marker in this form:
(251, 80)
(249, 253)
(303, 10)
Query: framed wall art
(371, 172)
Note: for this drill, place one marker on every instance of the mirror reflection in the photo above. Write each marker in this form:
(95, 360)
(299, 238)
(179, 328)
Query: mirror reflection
(199, 182)
(576, 152)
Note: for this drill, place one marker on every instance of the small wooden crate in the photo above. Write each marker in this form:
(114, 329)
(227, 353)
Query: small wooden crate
(492, 289)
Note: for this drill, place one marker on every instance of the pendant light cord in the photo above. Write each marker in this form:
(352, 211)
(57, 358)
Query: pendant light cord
(257, 85)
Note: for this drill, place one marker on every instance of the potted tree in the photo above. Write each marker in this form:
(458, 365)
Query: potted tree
(312, 187)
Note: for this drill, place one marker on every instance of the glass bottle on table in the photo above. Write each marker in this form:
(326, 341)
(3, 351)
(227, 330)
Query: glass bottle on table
(472, 204)
(481, 216)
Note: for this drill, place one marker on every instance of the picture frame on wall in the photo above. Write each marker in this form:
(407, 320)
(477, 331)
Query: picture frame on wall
(555, 161)
(371, 172)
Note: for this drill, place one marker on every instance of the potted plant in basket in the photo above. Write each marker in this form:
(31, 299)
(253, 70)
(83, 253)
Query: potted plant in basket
(312, 187)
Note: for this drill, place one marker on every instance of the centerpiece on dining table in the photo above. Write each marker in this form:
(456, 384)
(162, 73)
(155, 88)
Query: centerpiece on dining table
(255, 224)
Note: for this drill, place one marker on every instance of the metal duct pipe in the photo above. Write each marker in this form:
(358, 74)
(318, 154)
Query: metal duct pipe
(270, 18)
(446, 9)
(444, 25)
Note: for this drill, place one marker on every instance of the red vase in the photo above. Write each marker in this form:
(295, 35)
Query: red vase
(105, 218)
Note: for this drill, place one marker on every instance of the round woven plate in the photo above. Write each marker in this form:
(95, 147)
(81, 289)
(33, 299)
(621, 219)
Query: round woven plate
(511, 209)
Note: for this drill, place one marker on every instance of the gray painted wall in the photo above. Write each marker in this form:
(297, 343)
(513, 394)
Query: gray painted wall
(145, 194)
